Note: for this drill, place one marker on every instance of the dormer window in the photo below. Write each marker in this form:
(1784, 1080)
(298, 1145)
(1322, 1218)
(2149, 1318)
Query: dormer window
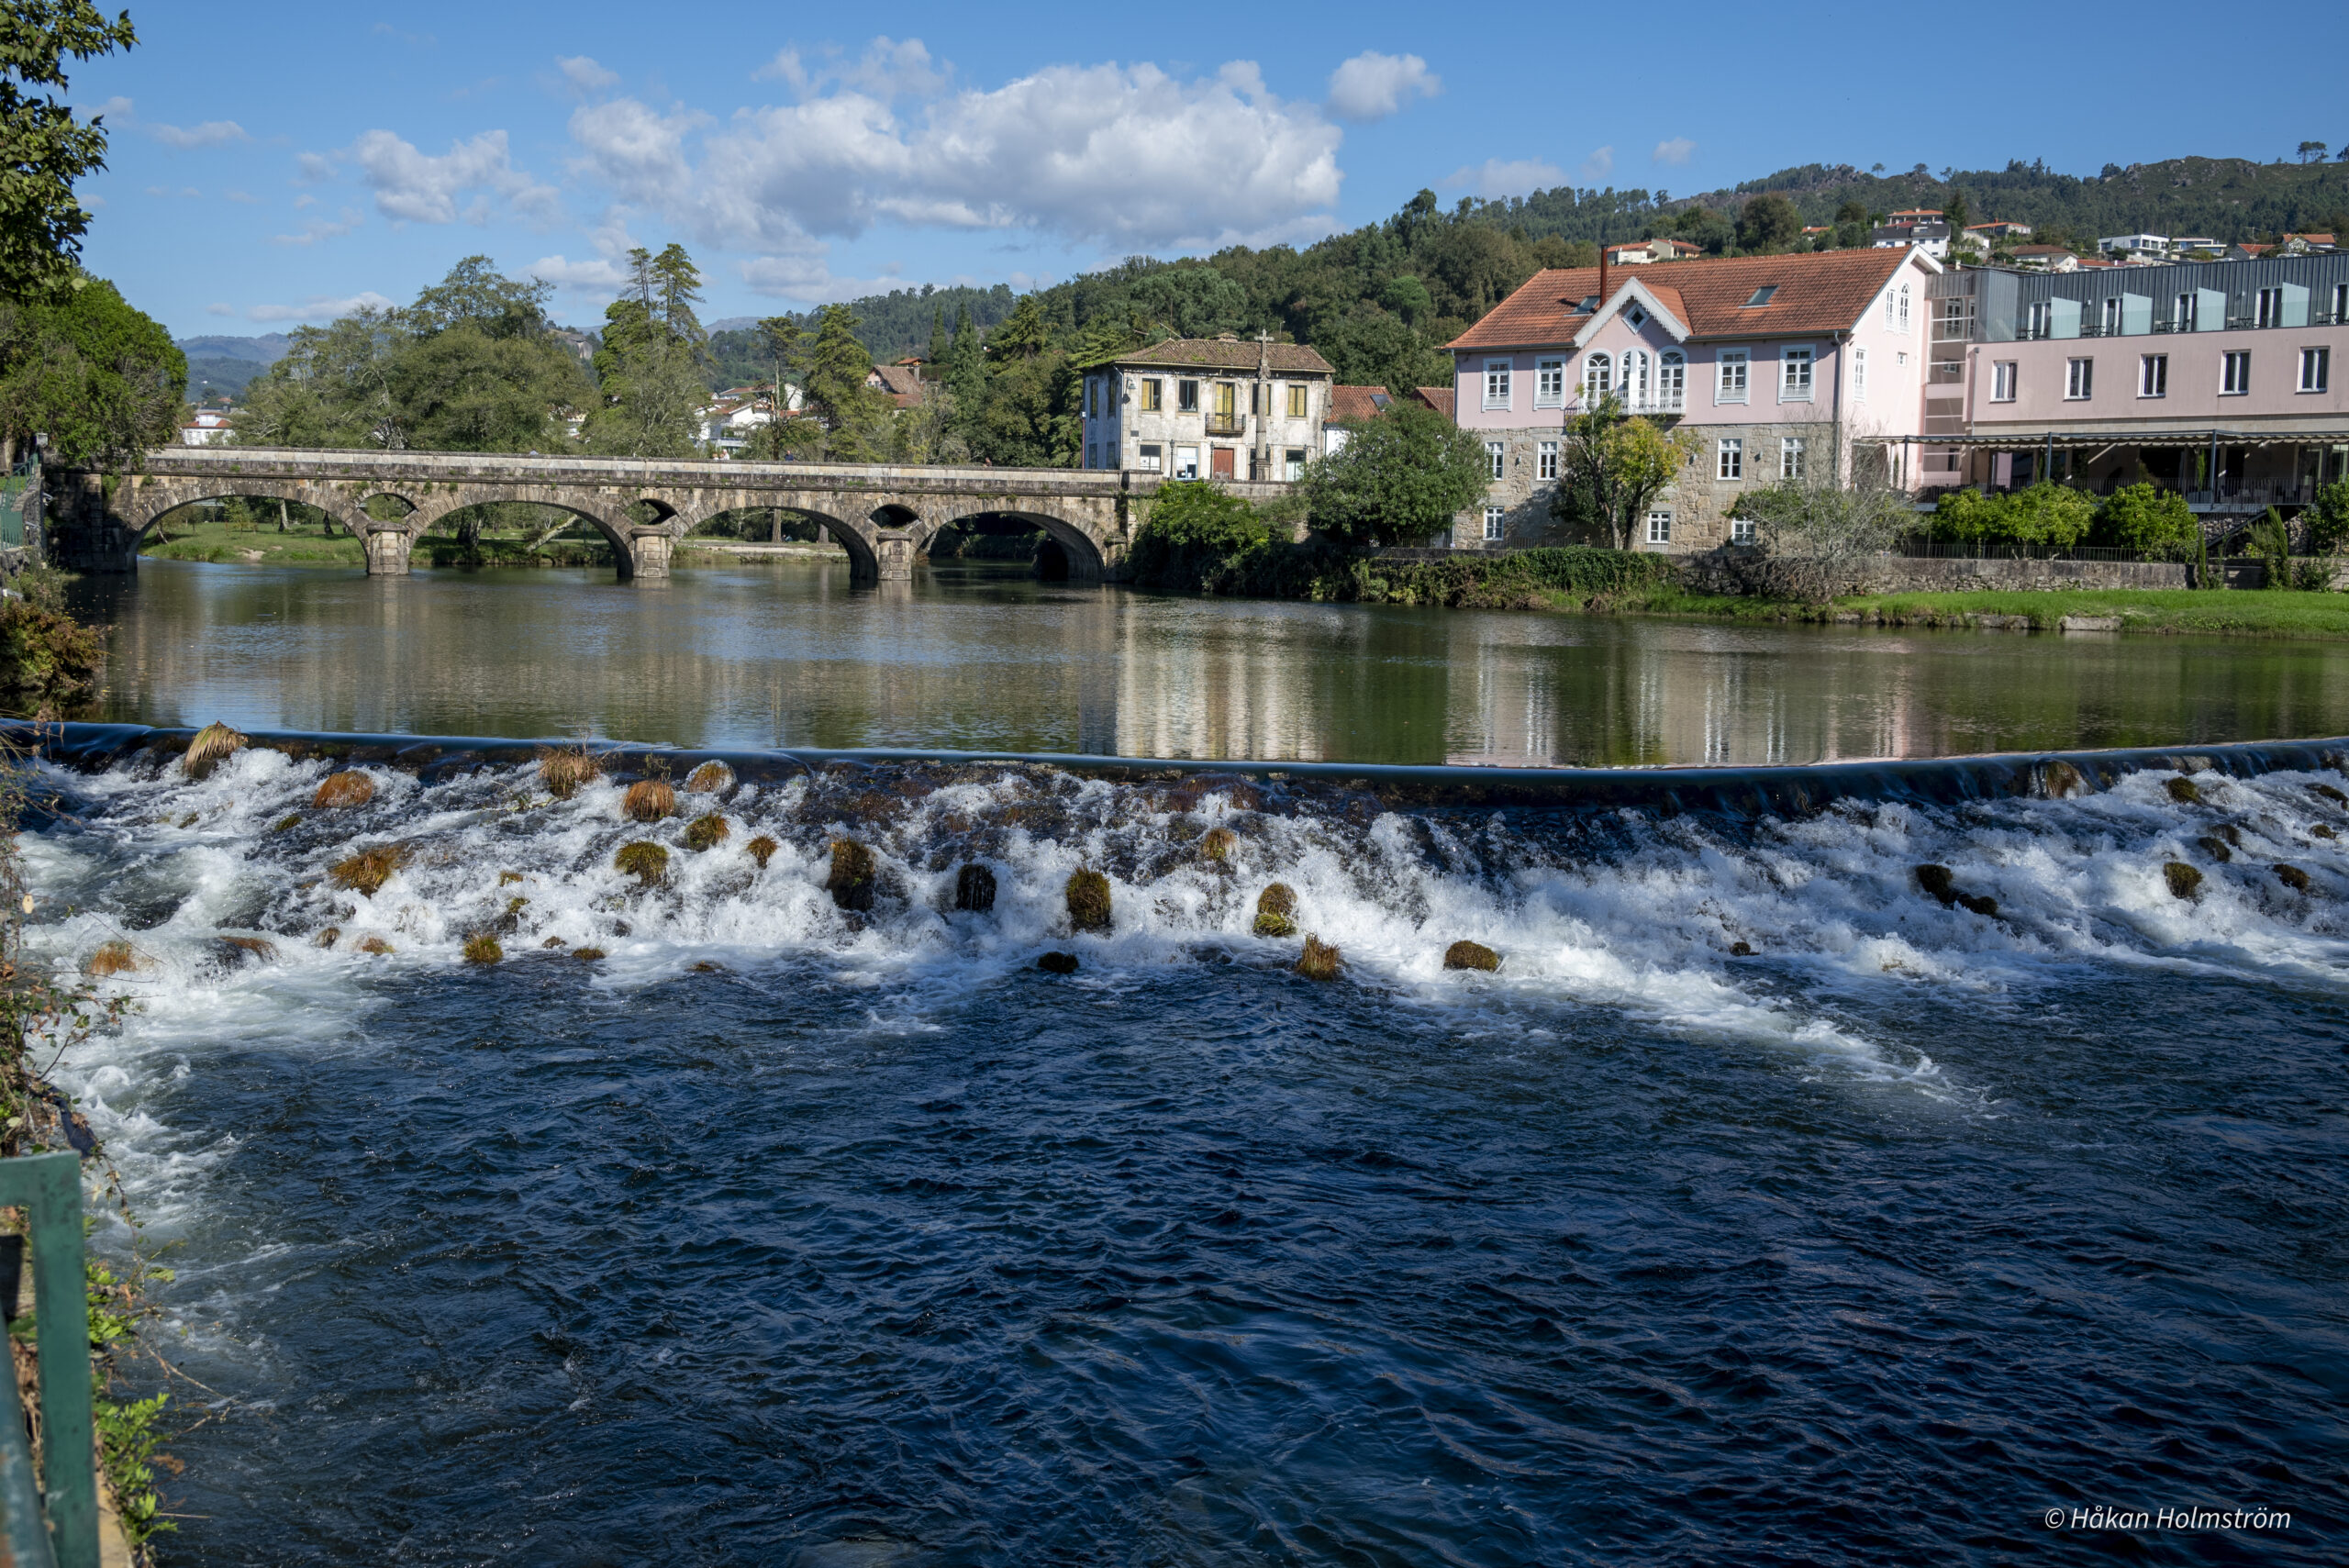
(1760, 296)
(1588, 303)
(1636, 316)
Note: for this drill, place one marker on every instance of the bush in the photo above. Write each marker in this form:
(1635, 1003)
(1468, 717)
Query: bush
(1400, 479)
(1192, 536)
(47, 659)
(2327, 518)
(2154, 522)
(2045, 514)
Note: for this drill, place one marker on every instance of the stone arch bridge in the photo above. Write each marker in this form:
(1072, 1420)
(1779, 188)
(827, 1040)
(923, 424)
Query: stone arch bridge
(885, 516)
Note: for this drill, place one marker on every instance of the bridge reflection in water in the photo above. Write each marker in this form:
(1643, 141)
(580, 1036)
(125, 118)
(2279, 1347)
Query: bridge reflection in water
(983, 658)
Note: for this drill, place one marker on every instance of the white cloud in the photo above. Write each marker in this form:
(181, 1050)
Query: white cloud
(416, 187)
(220, 310)
(117, 110)
(211, 133)
(786, 66)
(1372, 85)
(601, 275)
(1128, 157)
(585, 73)
(319, 228)
(1507, 177)
(320, 307)
(890, 69)
(1599, 165)
(245, 197)
(1675, 152)
(310, 168)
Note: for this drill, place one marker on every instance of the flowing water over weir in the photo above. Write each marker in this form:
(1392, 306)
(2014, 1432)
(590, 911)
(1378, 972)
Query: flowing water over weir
(1765, 1206)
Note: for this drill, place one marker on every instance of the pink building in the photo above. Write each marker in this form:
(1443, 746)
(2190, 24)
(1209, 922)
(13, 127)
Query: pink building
(2220, 379)
(1772, 363)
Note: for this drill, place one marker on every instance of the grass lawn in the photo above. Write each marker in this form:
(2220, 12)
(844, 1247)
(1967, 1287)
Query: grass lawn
(2257, 612)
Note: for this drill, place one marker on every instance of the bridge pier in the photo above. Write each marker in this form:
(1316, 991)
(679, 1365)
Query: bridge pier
(893, 555)
(387, 551)
(648, 555)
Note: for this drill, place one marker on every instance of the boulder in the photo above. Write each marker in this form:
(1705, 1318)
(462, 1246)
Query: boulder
(343, 789)
(1089, 901)
(851, 883)
(1474, 955)
(975, 889)
(1320, 961)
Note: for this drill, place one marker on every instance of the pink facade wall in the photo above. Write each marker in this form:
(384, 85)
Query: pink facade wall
(1891, 405)
(2196, 377)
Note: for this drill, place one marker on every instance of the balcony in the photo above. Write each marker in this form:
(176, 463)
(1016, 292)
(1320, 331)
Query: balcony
(1648, 404)
(1227, 424)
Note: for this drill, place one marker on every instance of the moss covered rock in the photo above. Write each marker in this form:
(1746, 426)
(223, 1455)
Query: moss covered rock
(706, 832)
(1320, 961)
(111, 958)
(562, 772)
(1058, 963)
(2292, 877)
(1089, 901)
(2062, 780)
(347, 788)
(2184, 882)
(648, 800)
(1940, 881)
(1471, 955)
(213, 743)
(761, 849)
(2184, 790)
(368, 870)
(643, 859)
(710, 778)
(482, 948)
(1217, 843)
(852, 877)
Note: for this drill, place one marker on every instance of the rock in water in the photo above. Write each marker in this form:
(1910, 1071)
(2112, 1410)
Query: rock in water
(710, 778)
(975, 889)
(761, 849)
(706, 832)
(851, 881)
(369, 869)
(1473, 955)
(347, 788)
(1089, 901)
(1275, 909)
(2184, 882)
(482, 948)
(563, 771)
(2186, 792)
(1219, 843)
(213, 743)
(1058, 963)
(1937, 881)
(643, 859)
(2292, 877)
(648, 800)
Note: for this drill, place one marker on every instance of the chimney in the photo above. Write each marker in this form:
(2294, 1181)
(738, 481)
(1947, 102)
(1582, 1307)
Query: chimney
(1602, 278)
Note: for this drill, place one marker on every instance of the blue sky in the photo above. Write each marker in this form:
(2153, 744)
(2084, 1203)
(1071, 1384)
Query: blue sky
(274, 164)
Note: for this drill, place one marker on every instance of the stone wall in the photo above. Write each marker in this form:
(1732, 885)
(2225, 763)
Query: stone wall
(1750, 571)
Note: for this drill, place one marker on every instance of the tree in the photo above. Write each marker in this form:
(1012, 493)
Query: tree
(2046, 514)
(1192, 534)
(1023, 336)
(1768, 223)
(2313, 151)
(648, 371)
(1958, 212)
(475, 295)
(1821, 532)
(1610, 467)
(1852, 211)
(2149, 521)
(2327, 518)
(102, 380)
(836, 368)
(1400, 479)
(43, 148)
(781, 338)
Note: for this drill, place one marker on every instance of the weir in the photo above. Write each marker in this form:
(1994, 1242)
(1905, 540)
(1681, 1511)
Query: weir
(883, 515)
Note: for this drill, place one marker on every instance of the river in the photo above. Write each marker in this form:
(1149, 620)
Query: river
(1759, 1209)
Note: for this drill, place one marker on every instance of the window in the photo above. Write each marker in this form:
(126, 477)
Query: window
(1904, 310)
(2079, 379)
(1297, 402)
(2042, 319)
(1550, 383)
(1671, 381)
(1493, 518)
(1151, 456)
(1729, 384)
(2002, 381)
(1860, 374)
(1292, 464)
(2182, 313)
(1597, 377)
(1091, 456)
(1732, 455)
(1186, 460)
(1631, 379)
(1741, 530)
(1790, 457)
(1760, 296)
(1496, 383)
(1887, 310)
(2340, 303)
(1187, 397)
(1794, 378)
(2152, 375)
(1545, 461)
(1496, 456)
(1659, 528)
(2111, 324)
(2234, 374)
(1227, 400)
(2316, 368)
(1258, 395)
(1153, 396)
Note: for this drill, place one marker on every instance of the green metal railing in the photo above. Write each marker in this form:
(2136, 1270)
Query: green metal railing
(16, 493)
(55, 1527)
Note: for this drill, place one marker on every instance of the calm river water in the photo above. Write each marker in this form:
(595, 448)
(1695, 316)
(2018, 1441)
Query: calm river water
(1760, 1209)
(978, 657)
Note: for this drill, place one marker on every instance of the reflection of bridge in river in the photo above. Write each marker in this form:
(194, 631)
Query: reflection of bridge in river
(883, 515)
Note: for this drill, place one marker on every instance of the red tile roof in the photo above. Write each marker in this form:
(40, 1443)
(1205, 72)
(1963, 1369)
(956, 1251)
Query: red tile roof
(1226, 354)
(1349, 403)
(1440, 398)
(1819, 292)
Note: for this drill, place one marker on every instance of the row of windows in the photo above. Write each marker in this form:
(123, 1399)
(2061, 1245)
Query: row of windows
(1150, 457)
(1728, 457)
(2270, 307)
(2314, 368)
(1100, 397)
(1629, 375)
(1741, 529)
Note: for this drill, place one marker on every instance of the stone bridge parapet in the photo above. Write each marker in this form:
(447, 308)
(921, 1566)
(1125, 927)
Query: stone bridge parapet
(883, 515)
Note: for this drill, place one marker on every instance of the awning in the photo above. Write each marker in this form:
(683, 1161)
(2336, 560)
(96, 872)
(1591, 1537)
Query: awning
(2020, 441)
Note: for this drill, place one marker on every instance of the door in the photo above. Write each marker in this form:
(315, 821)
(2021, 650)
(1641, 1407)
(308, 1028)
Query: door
(1219, 459)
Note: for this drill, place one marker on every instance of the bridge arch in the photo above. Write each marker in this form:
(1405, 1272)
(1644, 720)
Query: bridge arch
(156, 503)
(1078, 545)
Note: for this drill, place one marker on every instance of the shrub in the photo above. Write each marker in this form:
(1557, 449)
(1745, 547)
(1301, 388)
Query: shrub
(706, 832)
(643, 859)
(483, 949)
(2151, 521)
(1193, 534)
(47, 657)
(369, 869)
(1400, 479)
(562, 772)
(1089, 901)
(1320, 961)
(759, 848)
(2327, 518)
(1275, 907)
(648, 800)
(2045, 514)
(342, 789)
(213, 743)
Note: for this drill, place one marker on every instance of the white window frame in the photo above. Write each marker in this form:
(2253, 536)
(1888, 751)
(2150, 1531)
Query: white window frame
(1741, 530)
(1550, 383)
(1151, 457)
(1859, 375)
(1293, 463)
(2152, 375)
(1496, 520)
(1545, 461)
(2316, 368)
(2003, 378)
(2041, 322)
(1728, 458)
(1733, 376)
(2234, 373)
(1794, 388)
(1497, 383)
(1187, 468)
(2112, 318)
(2079, 378)
(2268, 307)
(1904, 310)
(1597, 377)
(1496, 458)
(1791, 452)
(1671, 381)
(1660, 526)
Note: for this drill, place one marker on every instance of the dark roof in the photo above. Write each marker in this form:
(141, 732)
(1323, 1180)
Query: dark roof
(901, 382)
(1816, 291)
(1222, 354)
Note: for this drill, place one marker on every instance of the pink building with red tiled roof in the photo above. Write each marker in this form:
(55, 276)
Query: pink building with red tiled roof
(1772, 364)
